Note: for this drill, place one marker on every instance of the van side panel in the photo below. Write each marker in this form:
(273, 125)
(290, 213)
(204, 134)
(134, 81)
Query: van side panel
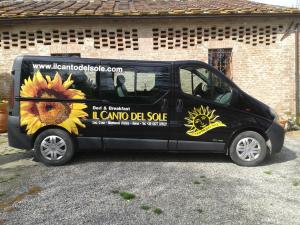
(16, 138)
(42, 85)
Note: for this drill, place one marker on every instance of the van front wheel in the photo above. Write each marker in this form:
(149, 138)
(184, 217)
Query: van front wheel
(54, 147)
(248, 149)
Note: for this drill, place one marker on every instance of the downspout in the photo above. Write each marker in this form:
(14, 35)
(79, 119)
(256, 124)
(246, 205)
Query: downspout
(297, 74)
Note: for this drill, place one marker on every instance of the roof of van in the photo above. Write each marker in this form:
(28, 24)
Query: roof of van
(10, 9)
(79, 59)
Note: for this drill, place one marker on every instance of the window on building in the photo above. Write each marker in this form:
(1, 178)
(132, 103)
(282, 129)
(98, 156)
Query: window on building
(67, 54)
(204, 83)
(221, 59)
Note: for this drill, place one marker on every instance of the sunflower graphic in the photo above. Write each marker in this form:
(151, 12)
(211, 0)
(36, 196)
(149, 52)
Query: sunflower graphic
(35, 115)
(202, 120)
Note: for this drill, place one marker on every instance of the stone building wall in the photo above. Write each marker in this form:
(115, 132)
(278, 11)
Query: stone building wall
(263, 64)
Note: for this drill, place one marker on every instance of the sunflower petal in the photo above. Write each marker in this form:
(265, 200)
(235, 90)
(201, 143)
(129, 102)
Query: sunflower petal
(67, 125)
(77, 121)
(48, 78)
(79, 113)
(79, 106)
(68, 82)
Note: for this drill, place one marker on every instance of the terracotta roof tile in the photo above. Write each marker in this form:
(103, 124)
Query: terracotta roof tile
(10, 9)
(57, 9)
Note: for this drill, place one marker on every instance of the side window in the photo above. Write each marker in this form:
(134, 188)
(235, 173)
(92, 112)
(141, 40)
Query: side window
(203, 83)
(190, 81)
(138, 84)
(129, 78)
(145, 81)
(63, 77)
(86, 82)
(186, 77)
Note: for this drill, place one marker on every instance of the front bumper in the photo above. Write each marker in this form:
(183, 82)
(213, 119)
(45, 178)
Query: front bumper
(276, 135)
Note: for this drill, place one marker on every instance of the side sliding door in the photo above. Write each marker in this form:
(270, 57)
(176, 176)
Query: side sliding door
(134, 113)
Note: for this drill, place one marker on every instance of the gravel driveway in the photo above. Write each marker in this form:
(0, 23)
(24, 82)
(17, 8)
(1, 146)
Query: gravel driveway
(160, 188)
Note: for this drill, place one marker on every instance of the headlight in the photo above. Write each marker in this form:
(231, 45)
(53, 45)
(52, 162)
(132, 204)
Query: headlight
(273, 113)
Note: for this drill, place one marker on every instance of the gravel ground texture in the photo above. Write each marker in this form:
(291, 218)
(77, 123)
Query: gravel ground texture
(167, 189)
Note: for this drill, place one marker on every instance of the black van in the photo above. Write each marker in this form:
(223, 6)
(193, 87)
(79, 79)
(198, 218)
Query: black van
(62, 104)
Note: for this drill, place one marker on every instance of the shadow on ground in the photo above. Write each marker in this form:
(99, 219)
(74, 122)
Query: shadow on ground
(85, 156)
(285, 155)
(129, 156)
(14, 157)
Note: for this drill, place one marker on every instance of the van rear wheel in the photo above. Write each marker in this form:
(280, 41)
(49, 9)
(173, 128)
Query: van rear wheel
(248, 149)
(54, 147)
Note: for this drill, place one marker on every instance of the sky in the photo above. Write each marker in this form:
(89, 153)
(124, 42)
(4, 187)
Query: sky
(290, 3)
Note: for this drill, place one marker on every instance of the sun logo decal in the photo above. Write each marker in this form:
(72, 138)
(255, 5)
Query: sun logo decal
(202, 120)
(37, 114)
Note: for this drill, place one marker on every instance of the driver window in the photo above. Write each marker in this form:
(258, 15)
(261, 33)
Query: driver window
(186, 81)
(204, 83)
(189, 81)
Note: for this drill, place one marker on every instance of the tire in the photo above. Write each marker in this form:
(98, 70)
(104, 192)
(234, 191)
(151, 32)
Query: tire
(248, 149)
(54, 147)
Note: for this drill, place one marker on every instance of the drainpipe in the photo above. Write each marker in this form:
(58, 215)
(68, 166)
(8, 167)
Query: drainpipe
(297, 74)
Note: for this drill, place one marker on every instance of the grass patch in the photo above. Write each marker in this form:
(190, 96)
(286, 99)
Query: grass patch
(268, 172)
(203, 179)
(196, 182)
(296, 183)
(127, 195)
(2, 194)
(145, 207)
(34, 190)
(157, 211)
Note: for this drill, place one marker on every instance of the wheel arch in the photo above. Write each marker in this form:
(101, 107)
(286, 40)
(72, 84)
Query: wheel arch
(238, 131)
(39, 131)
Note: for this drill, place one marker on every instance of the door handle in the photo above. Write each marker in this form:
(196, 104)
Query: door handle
(164, 106)
(179, 105)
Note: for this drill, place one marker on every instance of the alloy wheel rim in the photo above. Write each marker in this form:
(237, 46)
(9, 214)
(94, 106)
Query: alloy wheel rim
(53, 148)
(248, 149)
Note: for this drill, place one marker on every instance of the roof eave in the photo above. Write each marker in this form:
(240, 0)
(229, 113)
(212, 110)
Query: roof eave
(45, 17)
